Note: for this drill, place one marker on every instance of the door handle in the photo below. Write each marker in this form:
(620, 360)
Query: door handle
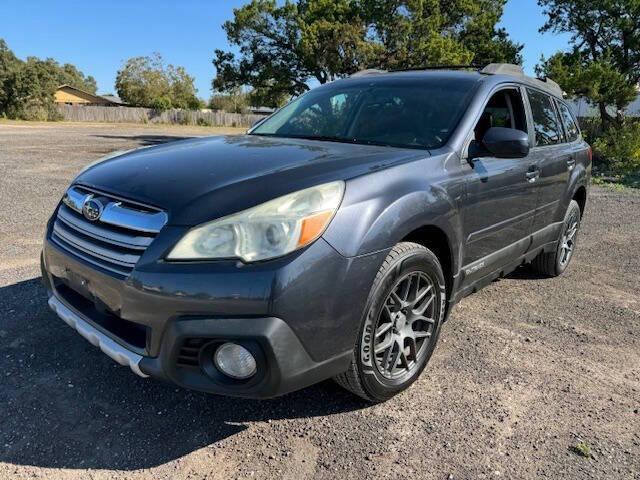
(532, 175)
(571, 162)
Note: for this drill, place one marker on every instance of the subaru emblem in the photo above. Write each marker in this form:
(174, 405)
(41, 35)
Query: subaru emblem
(92, 209)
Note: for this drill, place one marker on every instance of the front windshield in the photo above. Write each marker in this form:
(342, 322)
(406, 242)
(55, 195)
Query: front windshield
(411, 114)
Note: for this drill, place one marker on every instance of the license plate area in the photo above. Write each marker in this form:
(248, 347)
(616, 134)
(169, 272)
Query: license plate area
(75, 293)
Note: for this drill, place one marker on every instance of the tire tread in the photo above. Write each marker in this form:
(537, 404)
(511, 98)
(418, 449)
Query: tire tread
(546, 262)
(350, 380)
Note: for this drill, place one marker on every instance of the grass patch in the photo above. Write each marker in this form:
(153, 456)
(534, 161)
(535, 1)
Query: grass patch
(583, 449)
(618, 182)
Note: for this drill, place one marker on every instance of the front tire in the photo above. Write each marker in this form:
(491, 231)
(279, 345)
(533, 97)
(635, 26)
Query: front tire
(555, 263)
(401, 324)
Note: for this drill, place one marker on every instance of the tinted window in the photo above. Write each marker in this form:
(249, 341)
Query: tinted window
(545, 120)
(402, 113)
(570, 127)
(504, 109)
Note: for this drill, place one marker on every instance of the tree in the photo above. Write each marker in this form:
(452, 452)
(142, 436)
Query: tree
(70, 75)
(233, 102)
(604, 62)
(8, 63)
(284, 46)
(27, 87)
(29, 90)
(416, 33)
(147, 82)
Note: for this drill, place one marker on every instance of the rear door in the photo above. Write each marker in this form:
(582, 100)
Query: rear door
(554, 156)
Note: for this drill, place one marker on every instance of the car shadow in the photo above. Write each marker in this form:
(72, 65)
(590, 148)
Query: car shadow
(66, 405)
(145, 140)
(526, 272)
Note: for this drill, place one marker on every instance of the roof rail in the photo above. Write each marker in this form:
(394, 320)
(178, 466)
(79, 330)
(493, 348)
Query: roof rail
(439, 67)
(491, 69)
(371, 71)
(551, 84)
(502, 69)
(368, 71)
(516, 70)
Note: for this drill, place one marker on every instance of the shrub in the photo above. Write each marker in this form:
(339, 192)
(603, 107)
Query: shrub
(204, 122)
(53, 114)
(161, 103)
(620, 147)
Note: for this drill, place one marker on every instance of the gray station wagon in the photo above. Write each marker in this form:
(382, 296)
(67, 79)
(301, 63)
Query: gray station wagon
(332, 240)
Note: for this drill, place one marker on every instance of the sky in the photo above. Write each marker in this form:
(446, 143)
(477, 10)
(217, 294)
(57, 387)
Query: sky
(99, 36)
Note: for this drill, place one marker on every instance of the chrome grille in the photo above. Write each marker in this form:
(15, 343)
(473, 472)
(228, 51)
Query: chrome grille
(114, 242)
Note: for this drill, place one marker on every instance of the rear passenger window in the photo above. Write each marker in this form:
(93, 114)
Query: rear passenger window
(570, 127)
(545, 120)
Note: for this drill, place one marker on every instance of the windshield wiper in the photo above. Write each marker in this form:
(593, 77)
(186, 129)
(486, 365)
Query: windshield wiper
(352, 140)
(321, 138)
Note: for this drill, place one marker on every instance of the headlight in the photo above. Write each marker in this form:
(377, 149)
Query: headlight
(270, 230)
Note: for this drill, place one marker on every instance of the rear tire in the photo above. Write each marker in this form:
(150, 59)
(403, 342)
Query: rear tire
(555, 263)
(401, 324)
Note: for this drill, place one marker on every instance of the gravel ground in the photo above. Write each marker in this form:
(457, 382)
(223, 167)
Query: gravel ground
(526, 370)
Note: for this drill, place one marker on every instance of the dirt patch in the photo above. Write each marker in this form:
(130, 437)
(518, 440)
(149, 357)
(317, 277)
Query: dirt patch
(529, 372)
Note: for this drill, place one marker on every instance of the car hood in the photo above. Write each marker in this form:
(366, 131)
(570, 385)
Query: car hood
(206, 178)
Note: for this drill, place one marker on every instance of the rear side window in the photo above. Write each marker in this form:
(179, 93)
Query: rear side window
(570, 126)
(545, 120)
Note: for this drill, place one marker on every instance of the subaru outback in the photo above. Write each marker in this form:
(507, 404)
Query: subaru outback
(330, 241)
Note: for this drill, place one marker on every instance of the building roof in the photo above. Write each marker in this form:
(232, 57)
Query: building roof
(112, 99)
(583, 108)
(262, 110)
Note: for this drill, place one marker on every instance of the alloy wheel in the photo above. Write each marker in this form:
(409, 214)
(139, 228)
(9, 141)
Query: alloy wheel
(405, 325)
(568, 241)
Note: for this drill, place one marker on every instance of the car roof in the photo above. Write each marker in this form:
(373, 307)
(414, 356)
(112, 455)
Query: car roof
(493, 74)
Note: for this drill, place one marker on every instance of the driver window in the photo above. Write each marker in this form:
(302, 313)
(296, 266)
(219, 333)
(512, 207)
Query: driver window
(504, 109)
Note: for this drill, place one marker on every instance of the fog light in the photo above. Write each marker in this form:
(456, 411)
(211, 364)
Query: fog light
(235, 361)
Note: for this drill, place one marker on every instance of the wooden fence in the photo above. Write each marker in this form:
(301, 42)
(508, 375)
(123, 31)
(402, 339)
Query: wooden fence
(79, 113)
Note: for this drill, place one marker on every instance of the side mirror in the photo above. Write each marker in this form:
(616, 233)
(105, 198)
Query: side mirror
(506, 142)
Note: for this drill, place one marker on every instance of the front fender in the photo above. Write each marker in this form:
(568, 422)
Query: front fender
(382, 208)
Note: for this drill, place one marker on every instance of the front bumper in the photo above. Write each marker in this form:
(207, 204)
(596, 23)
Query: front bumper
(96, 337)
(299, 315)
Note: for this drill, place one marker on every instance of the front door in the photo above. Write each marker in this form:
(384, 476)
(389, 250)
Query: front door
(501, 194)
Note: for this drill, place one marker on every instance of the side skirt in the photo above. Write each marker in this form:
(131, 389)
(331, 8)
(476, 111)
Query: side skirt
(544, 240)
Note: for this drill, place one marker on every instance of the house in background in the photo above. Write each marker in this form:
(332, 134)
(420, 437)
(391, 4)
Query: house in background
(68, 95)
(583, 109)
(262, 110)
(114, 99)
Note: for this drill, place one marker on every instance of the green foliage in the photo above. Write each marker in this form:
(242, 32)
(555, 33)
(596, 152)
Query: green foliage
(27, 87)
(233, 102)
(617, 181)
(161, 103)
(414, 33)
(621, 148)
(604, 63)
(70, 75)
(8, 63)
(583, 449)
(283, 46)
(147, 82)
(29, 90)
(597, 80)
